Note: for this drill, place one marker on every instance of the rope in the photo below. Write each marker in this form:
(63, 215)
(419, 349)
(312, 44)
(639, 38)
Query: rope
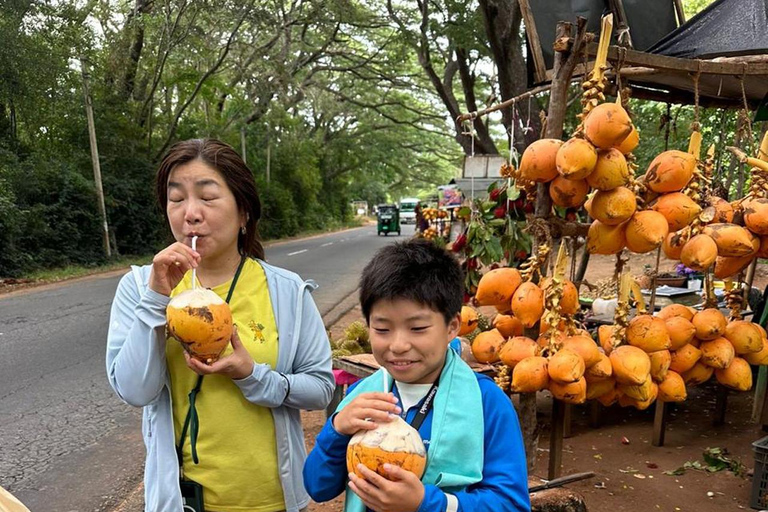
(696, 126)
(746, 110)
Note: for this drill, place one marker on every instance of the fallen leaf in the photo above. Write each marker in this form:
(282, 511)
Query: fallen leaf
(639, 475)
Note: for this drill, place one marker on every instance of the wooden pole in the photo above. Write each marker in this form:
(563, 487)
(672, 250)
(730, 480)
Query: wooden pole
(95, 158)
(539, 65)
(243, 152)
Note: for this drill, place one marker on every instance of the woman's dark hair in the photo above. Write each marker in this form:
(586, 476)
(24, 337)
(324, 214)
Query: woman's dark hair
(239, 178)
(415, 270)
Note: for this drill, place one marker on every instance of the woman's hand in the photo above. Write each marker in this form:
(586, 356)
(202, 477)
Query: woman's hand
(357, 415)
(169, 267)
(237, 365)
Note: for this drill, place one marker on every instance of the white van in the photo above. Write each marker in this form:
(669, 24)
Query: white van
(408, 210)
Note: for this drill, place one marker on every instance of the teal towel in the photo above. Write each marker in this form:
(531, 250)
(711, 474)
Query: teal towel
(455, 456)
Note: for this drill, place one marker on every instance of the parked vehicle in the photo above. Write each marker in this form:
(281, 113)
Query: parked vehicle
(408, 210)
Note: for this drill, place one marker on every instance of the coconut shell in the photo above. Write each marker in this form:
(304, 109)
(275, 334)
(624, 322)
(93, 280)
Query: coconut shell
(673, 244)
(660, 362)
(745, 337)
(726, 267)
(568, 193)
(516, 349)
(569, 303)
(586, 347)
(599, 371)
(681, 332)
(631, 365)
(611, 171)
(648, 333)
(576, 159)
(615, 206)
(672, 388)
(538, 163)
(627, 401)
(762, 252)
(630, 143)
(528, 303)
(468, 320)
(508, 325)
(640, 392)
(571, 393)
(611, 397)
(605, 239)
(646, 231)
(605, 338)
(670, 171)
(684, 359)
(201, 321)
(598, 388)
(717, 353)
(394, 442)
(737, 376)
(530, 375)
(723, 209)
(487, 345)
(497, 286)
(731, 240)
(699, 374)
(710, 324)
(607, 125)
(679, 209)
(759, 358)
(756, 215)
(676, 310)
(699, 253)
(566, 366)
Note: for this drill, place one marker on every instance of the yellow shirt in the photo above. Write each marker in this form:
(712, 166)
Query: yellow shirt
(236, 444)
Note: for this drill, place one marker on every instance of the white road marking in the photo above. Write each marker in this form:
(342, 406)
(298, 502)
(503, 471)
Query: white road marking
(326, 245)
(297, 252)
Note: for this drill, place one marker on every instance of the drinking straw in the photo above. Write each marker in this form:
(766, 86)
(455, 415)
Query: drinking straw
(194, 270)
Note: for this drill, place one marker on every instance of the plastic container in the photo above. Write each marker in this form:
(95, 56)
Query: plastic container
(759, 498)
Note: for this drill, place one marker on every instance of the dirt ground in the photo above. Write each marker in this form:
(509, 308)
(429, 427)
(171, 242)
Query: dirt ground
(630, 477)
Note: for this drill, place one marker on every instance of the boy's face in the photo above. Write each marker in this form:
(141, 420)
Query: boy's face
(409, 339)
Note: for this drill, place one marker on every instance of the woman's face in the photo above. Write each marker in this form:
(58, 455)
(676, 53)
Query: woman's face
(201, 204)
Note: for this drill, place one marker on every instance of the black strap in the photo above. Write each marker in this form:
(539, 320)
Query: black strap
(426, 404)
(192, 421)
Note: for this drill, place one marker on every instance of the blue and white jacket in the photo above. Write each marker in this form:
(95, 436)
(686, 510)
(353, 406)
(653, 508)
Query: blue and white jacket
(137, 371)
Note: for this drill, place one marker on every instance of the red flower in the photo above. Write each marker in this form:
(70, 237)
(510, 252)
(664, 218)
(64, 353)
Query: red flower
(529, 207)
(460, 243)
(472, 263)
(495, 193)
(500, 211)
(571, 216)
(521, 255)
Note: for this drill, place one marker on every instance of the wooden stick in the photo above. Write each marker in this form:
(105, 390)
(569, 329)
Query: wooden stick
(539, 65)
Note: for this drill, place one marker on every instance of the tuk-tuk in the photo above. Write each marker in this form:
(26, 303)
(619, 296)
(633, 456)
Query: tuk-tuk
(388, 217)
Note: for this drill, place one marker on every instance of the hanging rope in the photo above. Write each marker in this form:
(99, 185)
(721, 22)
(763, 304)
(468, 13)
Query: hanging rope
(696, 127)
(471, 133)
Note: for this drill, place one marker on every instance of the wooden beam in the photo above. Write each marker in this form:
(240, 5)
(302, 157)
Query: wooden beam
(659, 423)
(642, 91)
(721, 405)
(556, 440)
(540, 67)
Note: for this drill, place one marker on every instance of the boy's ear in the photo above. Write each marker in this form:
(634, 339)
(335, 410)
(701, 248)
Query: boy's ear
(454, 325)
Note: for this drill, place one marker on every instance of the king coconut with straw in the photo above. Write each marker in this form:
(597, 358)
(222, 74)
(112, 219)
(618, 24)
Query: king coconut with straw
(200, 320)
(394, 442)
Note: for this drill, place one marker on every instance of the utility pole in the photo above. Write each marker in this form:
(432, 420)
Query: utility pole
(95, 158)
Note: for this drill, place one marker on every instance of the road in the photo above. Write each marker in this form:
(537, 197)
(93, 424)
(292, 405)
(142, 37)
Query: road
(66, 442)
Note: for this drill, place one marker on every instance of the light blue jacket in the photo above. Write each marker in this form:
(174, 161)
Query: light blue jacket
(137, 371)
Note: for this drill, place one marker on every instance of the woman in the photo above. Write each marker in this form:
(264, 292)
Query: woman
(246, 449)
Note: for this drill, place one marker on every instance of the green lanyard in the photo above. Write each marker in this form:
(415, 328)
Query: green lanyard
(192, 422)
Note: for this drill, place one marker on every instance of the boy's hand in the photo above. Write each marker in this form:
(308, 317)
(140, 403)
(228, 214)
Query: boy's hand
(403, 493)
(368, 406)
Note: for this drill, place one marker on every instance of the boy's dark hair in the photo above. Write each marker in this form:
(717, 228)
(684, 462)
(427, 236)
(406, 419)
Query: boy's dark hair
(415, 270)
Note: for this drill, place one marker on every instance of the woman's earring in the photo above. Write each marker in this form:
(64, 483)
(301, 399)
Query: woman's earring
(242, 229)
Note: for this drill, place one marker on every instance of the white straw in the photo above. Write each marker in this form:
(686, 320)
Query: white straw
(384, 379)
(194, 270)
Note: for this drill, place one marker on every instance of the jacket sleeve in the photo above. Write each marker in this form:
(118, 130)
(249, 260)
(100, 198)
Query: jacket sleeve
(310, 384)
(136, 365)
(504, 487)
(325, 470)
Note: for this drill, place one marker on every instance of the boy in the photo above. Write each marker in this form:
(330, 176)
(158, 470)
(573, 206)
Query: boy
(411, 296)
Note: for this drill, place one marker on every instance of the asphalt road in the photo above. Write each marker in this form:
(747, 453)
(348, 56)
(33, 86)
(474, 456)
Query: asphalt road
(66, 442)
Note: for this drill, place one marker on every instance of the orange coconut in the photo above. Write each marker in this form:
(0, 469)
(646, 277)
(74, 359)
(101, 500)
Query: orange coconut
(759, 358)
(745, 337)
(723, 209)
(627, 401)
(605, 239)
(570, 393)
(487, 345)
(497, 286)
(677, 208)
(568, 193)
(639, 392)
(681, 332)
(631, 365)
(585, 346)
(630, 143)
(673, 244)
(646, 231)
(605, 338)
(615, 206)
(672, 388)
(670, 171)
(737, 376)
(528, 303)
(762, 252)
(392, 442)
(201, 321)
(576, 159)
(539, 161)
(675, 310)
(611, 170)
(516, 349)
(599, 371)
(717, 353)
(598, 388)
(699, 374)
(710, 324)
(508, 325)
(607, 125)
(756, 215)
(569, 303)
(731, 240)
(566, 366)
(727, 267)
(648, 333)
(530, 375)
(684, 358)
(468, 320)
(699, 253)
(660, 362)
